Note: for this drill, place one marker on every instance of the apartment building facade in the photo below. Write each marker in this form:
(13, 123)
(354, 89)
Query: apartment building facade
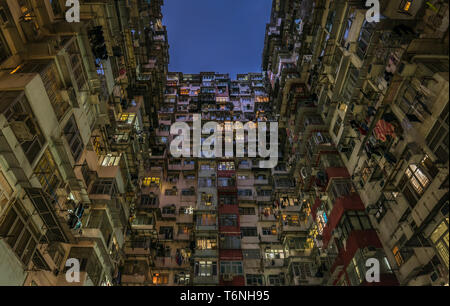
(86, 171)
(361, 104)
(74, 130)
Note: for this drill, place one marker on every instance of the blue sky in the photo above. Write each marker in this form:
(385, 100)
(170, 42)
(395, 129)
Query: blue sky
(225, 36)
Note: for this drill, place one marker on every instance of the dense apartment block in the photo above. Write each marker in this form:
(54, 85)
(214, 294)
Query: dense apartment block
(86, 170)
(364, 108)
(74, 133)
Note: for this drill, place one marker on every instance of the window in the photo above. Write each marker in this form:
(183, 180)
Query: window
(47, 173)
(166, 232)
(413, 102)
(89, 262)
(365, 37)
(337, 125)
(184, 229)
(264, 192)
(228, 220)
(25, 127)
(354, 221)
(5, 191)
(355, 272)
(73, 138)
(254, 280)
(437, 139)
(206, 182)
(206, 199)
(414, 183)
(381, 208)
(160, 278)
(267, 231)
(143, 220)
(148, 181)
(226, 166)
(227, 200)
(98, 219)
(206, 243)
(4, 49)
(398, 256)
(169, 210)
(245, 192)
(182, 279)
(350, 84)
(52, 85)
(188, 192)
(290, 220)
(231, 267)
(19, 233)
(77, 65)
(297, 243)
(171, 192)
(249, 231)
(275, 280)
(247, 211)
(225, 182)
(251, 253)
(230, 242)
(206, 219)
(104, 186)
(274, 254)
(440, 240)
(302, 269)
(340, 188)
(205, 268)
(344, 34)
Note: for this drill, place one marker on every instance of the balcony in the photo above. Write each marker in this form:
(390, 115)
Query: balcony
(138, 247)
(294, 228)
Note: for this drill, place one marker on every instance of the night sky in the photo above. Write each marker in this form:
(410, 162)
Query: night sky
(224, 36)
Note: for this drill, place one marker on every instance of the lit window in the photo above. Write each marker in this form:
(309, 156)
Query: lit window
(417, 178)
(398, 256)
(147, 181)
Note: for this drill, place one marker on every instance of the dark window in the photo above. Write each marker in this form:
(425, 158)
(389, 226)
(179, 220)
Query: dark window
(249, 231)
(437, 139)
(228, 220)
(73, 138)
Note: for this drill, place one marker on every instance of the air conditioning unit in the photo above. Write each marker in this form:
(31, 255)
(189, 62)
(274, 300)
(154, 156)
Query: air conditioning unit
(406, 69)
(21, 131)
(227, 277)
